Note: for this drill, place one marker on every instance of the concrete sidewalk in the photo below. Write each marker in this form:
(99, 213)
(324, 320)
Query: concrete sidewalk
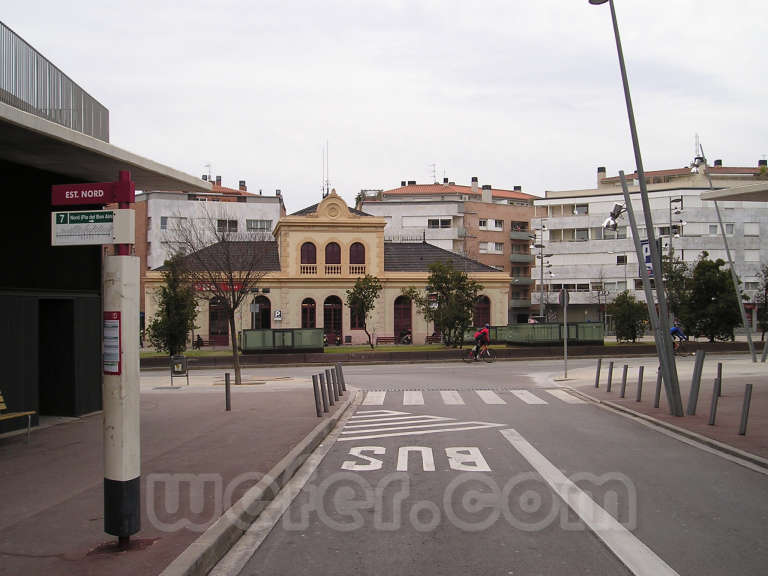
(52, 496)
(738, 370)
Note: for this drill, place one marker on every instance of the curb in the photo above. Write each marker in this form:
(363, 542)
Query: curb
(714, 444)
(202, 555)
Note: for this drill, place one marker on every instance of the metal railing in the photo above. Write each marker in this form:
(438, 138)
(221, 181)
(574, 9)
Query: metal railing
(29, 82)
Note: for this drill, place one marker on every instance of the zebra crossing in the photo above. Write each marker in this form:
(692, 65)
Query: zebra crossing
(459, 398)
(370, 424)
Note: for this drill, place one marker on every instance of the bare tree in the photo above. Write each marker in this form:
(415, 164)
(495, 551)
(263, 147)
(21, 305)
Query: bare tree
(224, 263)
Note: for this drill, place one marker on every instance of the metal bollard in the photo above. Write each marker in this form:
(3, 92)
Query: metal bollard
(693, 396)
(713, 406)
(323, 391)
(324, 379)
(745, 410)
(639, 396)
(227, 399)
(336, 385)
(657, 395)
(623, 381)
(331, 386)
(597, 374)
(316, 390)
(340, 373)
(720, 378)
(610, 376)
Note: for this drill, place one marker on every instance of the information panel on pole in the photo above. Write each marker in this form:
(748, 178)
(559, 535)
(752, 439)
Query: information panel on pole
(94, 227)
(112, 360)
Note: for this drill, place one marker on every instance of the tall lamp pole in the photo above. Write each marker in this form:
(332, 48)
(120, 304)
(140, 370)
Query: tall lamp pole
(666, 355)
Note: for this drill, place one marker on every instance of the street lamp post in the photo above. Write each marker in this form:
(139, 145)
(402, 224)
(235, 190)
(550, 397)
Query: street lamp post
(666, 355)
(540, 246)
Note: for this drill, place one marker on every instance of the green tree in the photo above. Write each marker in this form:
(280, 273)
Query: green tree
(451, 306)
(629, 316)
(713, 306)
(678, 281)
(361, 300)
(176, 310)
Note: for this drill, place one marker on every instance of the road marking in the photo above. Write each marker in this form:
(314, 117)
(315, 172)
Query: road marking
(366, 414)
(374, 398)
(399, 421)
(527, 397)
(451, 397)
(565, 396)
(411, 397)
(489, 397)
(408, 426)
(633, 553)
(474, 426)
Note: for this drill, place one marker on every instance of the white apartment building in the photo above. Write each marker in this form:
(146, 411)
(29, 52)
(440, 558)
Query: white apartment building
(595, 264)
(158, 211)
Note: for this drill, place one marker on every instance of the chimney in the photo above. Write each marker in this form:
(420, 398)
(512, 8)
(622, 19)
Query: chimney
(402, 183)
(600, 174)
(762, 163)
(718, 162)
(242, 186)
(518, 188)
(487, 194)
(278, 192)
(411, 182)
(218, 180)
(445, 181)
(474, 184)
(205, 177)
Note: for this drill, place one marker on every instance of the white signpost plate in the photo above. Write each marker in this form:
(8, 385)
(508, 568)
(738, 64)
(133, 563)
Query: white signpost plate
(93, 227)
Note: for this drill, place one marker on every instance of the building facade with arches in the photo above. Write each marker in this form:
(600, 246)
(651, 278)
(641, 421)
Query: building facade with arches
(321, 251)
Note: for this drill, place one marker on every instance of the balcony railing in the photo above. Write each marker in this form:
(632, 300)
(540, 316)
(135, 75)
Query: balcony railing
(308, 269)
(521, 258)
(29, 82)
(333, 269)
(520, 235)
(357, 269)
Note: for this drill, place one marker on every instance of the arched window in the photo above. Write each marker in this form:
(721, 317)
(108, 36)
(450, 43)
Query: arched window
(261, 313)
(308, 253)
(482, 312)
(308, 313)
(402, 320)
(357, 253)
(332, 253)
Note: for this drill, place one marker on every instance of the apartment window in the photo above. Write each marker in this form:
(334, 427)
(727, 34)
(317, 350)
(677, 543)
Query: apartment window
(621, 259)
(483, 223)
(596, 286)
(163, 222)
(149, 222)
(499, 224)
(582, 287)
(482, 247)
(639, 284)
(751, 285)
(751, 255)
(620, 232)
(556, 287)
(224, 226)
(582, 234)
(581, 209)
(713, 229)
(258, 225)
(498, 246)
(597, 233)
(729, 229)
(433, 223)
(519, 226)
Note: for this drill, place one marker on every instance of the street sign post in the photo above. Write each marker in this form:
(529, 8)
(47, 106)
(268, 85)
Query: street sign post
(101, 193)
(564, 298)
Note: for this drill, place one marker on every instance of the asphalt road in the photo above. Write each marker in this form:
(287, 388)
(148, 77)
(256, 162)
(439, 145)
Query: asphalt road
(490, 469)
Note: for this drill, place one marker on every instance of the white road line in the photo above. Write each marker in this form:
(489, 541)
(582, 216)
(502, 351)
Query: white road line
(451, 397)
(565, 396)
(369, 414)
(396, 421)
(415, 432)
(490, 397)
(374, 398)
(405, 427)
(641, 560)
(411, 397)
(528, 397)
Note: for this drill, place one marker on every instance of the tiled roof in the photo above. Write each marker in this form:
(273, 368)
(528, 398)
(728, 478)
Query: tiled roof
(428, 189)
(312, 209)
(686, 171)
(733, 170)
(242, 254)
(416, 257)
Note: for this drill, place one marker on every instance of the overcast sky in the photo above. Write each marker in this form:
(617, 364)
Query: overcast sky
(514, 92)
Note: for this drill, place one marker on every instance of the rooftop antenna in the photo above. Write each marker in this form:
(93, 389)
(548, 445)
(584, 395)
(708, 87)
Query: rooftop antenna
(434, 172)
(326, 175)
(208, 165)
(697, 147)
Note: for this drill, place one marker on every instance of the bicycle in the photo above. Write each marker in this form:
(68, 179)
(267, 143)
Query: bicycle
(680, 349)
(486, 354)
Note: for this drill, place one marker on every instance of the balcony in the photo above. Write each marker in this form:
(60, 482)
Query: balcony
(521, 258)
(357, 269)
(333, 269)
(519, 302)
(522, 280)
(308, 269)
(520, 234)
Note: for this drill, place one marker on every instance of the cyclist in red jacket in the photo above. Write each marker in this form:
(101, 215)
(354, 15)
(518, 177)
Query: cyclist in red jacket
(482, 338)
